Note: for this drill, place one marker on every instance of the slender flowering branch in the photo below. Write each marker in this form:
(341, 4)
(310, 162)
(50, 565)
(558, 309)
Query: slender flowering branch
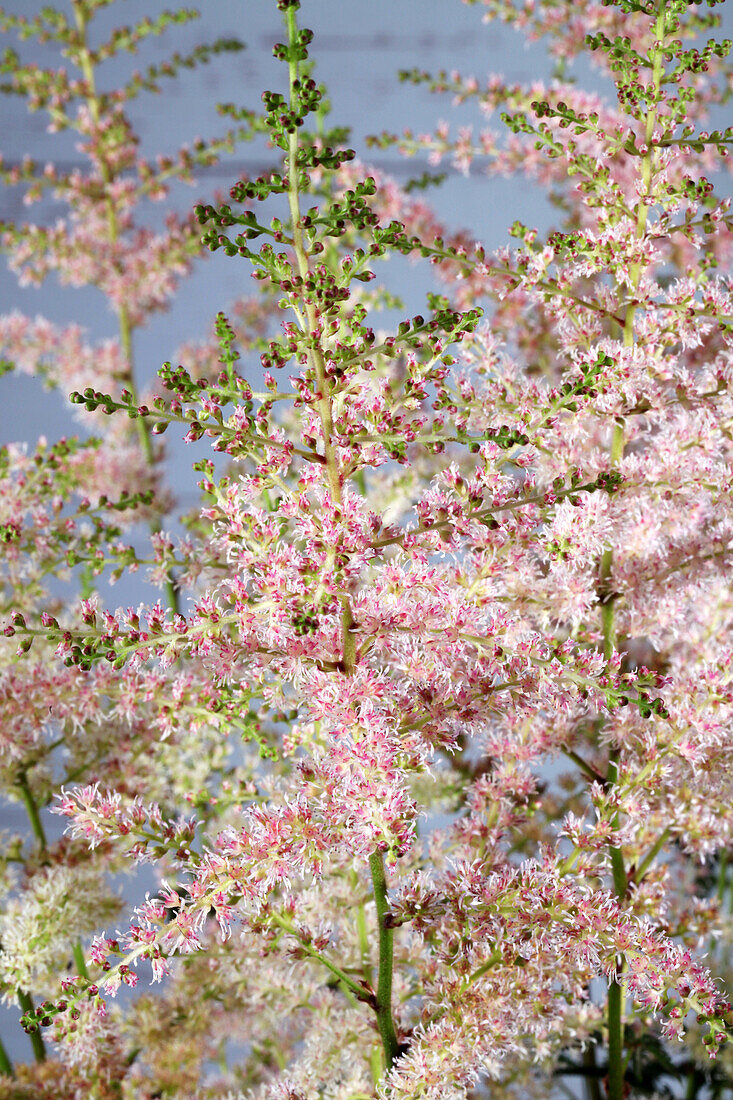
(113, 233)
(353, 987)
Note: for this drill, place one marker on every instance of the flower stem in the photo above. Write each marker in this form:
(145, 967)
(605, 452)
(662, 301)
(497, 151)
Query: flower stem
(26, 1003)
(615, 996)
(615, 1041)
(584, 766)
(323, 402)
(691, 1091)
(80, 961)
(385, 1021)
(37, 1043)
(6, 1066)
(32, 810)
(651, 854)
(592, 1084)
(615, 1001)
(363, 934)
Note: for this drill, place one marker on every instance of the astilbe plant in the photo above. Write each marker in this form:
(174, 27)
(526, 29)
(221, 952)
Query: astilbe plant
(442, 559)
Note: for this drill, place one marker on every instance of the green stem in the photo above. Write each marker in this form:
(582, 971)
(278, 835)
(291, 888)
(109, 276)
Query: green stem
(615, 1001)
(592, 1084)
(26, 1003)
(6, 1066)
(32, 810)
(691, 1090)
(584, 766)
(618, 871)
(615, 1041)
(722, 875)
(615, 996)
(375, 1065)
(652, 854)
(80, 961)
(385, 1021)
(361, 929)
(37, 1043)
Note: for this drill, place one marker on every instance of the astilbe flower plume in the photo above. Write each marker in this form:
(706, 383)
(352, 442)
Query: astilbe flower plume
(441, 559)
